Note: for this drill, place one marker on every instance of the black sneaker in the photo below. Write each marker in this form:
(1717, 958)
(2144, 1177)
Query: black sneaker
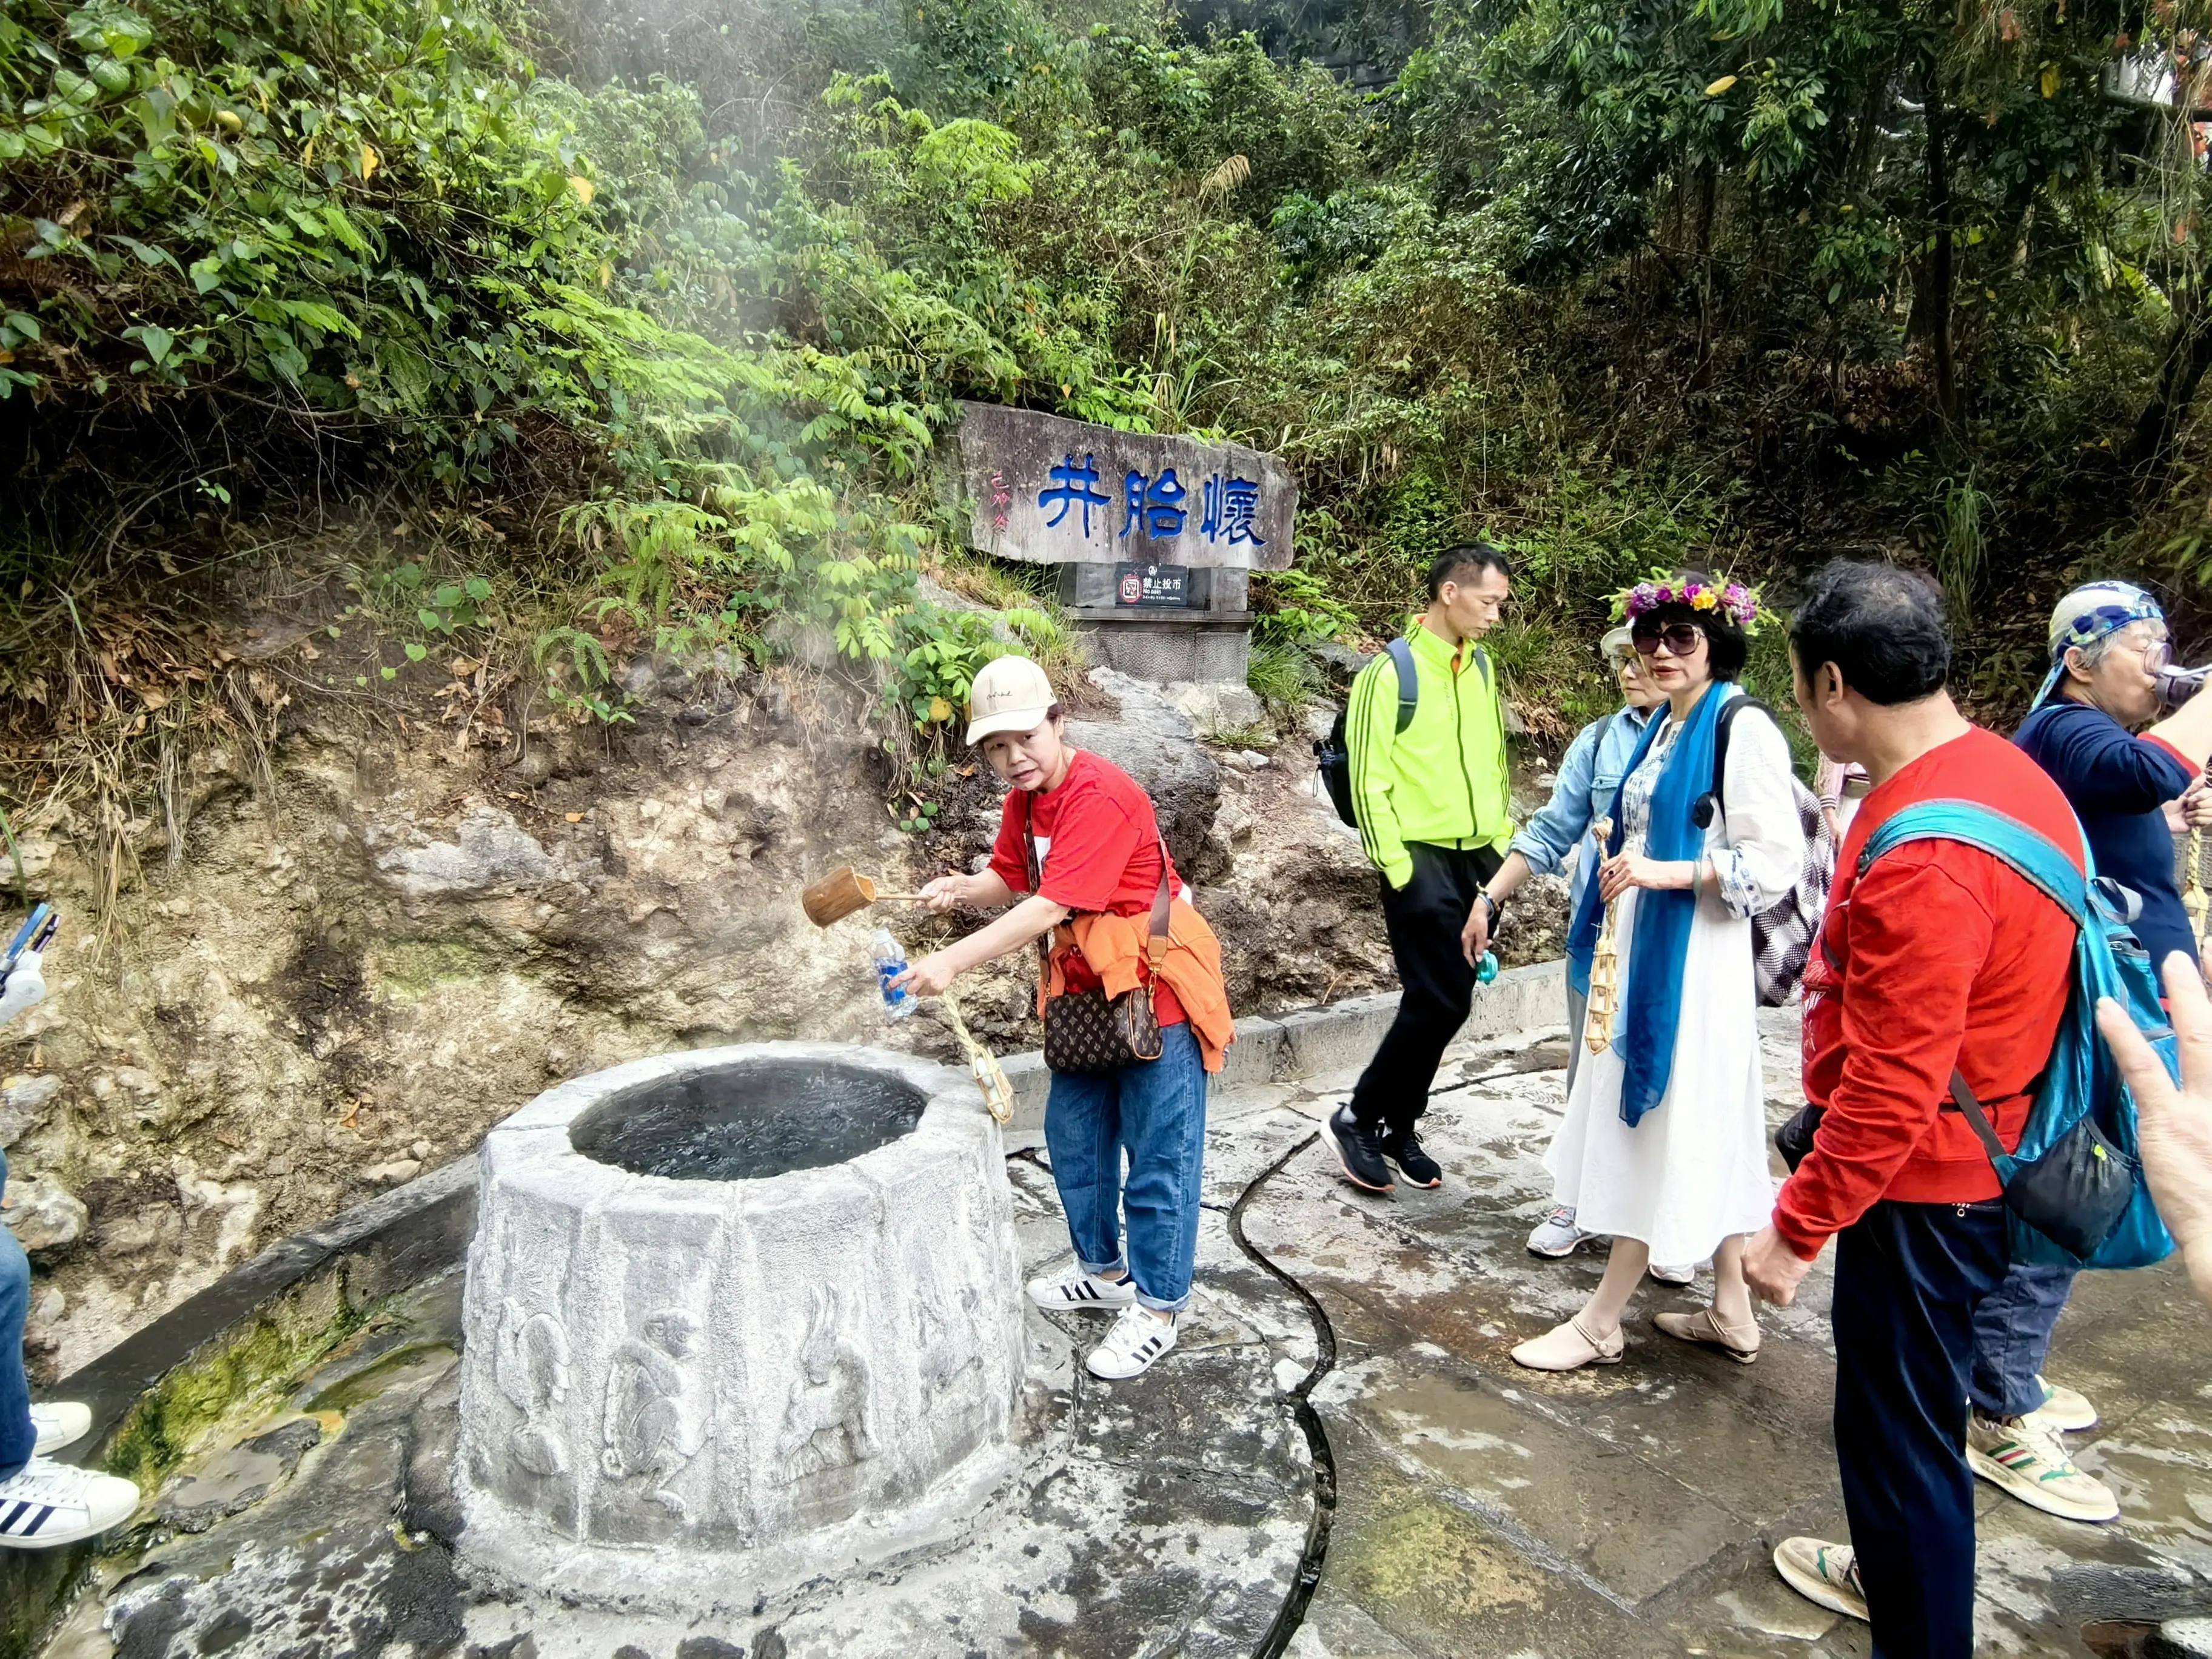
(1359, 1149)
(1404, 1150)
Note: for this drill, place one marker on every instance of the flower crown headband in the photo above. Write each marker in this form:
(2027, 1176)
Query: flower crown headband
(1740, 604)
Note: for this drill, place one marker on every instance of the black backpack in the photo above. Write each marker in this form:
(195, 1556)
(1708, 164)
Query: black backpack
(1333, 757)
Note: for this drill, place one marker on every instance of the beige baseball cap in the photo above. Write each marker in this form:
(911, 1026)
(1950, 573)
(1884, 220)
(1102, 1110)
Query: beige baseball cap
(1011, 694)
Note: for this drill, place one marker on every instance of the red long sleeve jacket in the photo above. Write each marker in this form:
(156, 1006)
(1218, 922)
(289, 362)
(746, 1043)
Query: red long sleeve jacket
(1942, 957)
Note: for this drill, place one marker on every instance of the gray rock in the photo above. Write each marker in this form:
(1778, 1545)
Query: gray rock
(492, 853)
(231, 1482)
(392, 1174)
(1341, 660)
(1155, 743)
(1535, 926)
(1254, 760)
(44, 1215)
(2181, 1638)
(23, 1102)
(1214, 708)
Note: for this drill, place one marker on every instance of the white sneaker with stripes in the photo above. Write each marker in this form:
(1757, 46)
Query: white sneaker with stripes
(1078, 1292)
(1132, 1343)
(62, 1424)
(48, 1504)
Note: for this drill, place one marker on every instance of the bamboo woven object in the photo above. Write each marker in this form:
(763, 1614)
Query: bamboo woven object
(2194, 900)
(990, 1076)
(1604, 968)
(843, 892)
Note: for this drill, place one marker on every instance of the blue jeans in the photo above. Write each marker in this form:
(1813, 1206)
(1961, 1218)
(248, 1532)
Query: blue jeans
(1908, 1277)
(17, 1437)
(1155, 1113)
(2012, 1337)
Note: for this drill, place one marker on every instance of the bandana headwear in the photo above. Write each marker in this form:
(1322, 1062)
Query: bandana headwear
(2089, 614)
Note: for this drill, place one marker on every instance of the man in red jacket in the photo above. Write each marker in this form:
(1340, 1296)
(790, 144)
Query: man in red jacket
(1941, 958)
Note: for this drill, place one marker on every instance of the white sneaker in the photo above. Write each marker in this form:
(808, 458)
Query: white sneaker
(48, 1504)
(62, 1424)
(2024, 1457)
(1675, 1276)
(1078, 1292)
(1136, 1339)
(1556, 1235)
(2064, 1409)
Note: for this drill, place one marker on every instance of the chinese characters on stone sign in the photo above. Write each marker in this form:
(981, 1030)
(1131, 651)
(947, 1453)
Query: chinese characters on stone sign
(1153, 506)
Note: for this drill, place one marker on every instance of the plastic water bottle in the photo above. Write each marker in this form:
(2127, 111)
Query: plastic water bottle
(891, 962)
(1486, 969)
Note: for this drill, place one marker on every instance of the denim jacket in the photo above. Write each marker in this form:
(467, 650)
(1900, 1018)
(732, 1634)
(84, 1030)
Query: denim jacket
(1589, 777)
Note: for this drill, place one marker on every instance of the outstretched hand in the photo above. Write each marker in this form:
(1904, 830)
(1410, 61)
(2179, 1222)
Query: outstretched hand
(927, 978)
(2176, 1123)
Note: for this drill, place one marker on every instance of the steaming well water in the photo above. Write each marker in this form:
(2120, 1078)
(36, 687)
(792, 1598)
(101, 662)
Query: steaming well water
(766, 1120)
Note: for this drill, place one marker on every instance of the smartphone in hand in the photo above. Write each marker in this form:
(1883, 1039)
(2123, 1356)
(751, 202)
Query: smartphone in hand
(32, 936)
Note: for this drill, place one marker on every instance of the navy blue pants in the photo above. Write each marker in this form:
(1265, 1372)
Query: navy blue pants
(2012, 1336)
(1908, 1277)
(17, 1437)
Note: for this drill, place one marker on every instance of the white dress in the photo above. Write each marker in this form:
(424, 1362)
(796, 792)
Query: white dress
(1693, 1172)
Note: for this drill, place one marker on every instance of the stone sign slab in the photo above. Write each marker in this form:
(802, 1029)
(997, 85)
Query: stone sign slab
(1048, 490)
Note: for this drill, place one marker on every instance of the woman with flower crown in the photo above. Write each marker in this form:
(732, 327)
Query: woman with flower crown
(1664, 1142)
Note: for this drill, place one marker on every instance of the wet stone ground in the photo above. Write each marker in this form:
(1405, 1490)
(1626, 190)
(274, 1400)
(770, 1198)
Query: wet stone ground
(1480, 1510)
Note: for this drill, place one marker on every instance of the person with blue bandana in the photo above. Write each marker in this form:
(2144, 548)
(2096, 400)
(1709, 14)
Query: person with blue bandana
(2108, 642)
(1663, 1146)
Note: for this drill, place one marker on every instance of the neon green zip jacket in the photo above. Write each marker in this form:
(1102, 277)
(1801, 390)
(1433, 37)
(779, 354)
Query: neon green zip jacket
(1442, 779)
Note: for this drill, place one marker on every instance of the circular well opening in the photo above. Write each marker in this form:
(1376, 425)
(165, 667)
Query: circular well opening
(748, 1121)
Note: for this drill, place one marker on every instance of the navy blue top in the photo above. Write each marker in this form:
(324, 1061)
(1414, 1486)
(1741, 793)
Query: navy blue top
(2118, 785)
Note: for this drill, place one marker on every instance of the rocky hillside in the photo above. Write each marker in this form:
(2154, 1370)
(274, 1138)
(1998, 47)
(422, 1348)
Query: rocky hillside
(374, 943)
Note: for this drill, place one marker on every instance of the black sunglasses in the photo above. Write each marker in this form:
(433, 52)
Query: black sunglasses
(1682, 638)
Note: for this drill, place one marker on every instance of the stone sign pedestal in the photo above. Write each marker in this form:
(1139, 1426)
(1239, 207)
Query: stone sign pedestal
(1155, 537)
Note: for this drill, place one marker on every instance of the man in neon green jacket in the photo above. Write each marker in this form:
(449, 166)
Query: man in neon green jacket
(1432, 802)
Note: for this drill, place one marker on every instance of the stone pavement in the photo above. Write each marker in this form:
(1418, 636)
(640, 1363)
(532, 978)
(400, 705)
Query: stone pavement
(1479, 1509)
(1484, 1510)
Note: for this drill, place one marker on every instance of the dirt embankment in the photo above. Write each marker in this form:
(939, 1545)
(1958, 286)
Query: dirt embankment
(385, 941)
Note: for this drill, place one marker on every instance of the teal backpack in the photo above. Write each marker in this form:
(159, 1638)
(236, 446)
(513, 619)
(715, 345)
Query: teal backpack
(2074, 1188)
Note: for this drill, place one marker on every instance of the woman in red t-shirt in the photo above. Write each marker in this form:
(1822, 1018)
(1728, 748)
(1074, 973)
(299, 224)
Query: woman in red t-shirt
(1099, 853)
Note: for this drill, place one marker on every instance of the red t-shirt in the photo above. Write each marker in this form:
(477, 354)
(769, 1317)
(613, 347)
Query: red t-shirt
(1943, 957)
(1098, 843)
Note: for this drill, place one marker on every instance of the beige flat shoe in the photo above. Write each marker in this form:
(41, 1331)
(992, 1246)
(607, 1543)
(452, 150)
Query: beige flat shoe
(1569, 1347)
(1704, 1328)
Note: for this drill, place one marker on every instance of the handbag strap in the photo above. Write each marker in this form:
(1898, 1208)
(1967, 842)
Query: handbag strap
(1155, 943)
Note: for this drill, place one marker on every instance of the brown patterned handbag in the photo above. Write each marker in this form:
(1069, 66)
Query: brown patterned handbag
(1087, 1032)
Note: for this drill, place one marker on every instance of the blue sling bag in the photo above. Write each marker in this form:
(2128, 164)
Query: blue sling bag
(2074, 1188)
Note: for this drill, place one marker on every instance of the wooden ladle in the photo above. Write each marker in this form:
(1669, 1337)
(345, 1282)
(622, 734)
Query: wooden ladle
(842, 892)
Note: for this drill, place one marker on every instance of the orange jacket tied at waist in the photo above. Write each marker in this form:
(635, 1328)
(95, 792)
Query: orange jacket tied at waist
(1114, 946)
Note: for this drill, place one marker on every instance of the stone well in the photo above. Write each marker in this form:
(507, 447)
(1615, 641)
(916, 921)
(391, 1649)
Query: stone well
(735, 1318)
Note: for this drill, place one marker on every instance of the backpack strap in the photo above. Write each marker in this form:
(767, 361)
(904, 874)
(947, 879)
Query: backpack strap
(2031, 854)
(1701, 813)
(1409, 680)
(1984, 1131)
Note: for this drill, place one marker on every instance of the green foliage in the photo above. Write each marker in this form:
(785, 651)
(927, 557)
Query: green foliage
(1615, 286)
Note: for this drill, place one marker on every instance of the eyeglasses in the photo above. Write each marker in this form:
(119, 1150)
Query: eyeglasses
(1681, 639)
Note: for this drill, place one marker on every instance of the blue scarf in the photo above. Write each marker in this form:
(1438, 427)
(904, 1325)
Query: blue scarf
(1645, 1031)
